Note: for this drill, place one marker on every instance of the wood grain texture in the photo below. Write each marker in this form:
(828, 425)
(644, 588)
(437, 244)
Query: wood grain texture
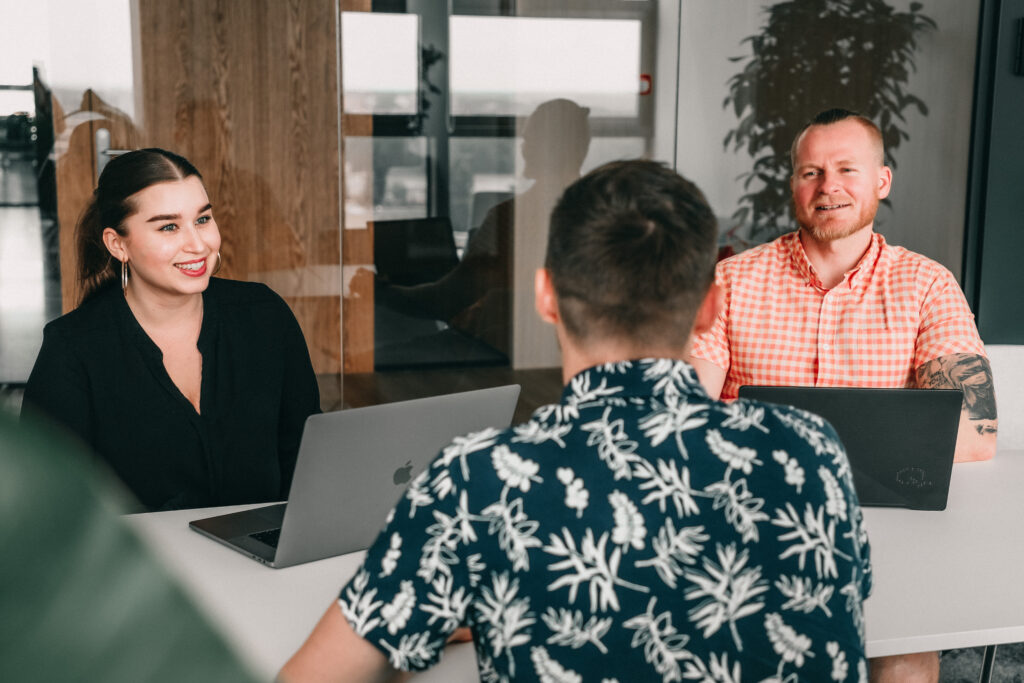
(357, 253)
(75, 182)
(247, 90)
(76, 153)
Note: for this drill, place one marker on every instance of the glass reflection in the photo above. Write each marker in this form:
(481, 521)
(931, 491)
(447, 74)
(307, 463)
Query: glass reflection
(379, 62)
(473, 300)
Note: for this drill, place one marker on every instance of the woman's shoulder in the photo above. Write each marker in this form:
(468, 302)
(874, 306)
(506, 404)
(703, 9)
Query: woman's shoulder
(89, 316)
(246, 297)
(240, 292)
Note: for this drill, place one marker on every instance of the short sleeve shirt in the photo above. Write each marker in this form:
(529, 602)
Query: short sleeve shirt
(893, 312)
(635, 531)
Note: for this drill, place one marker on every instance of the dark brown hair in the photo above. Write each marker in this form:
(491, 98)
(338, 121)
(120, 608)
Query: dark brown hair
(631, 254)
(112, 203)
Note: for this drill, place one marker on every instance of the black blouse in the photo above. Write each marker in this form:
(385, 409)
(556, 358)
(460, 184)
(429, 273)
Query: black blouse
(99, 374)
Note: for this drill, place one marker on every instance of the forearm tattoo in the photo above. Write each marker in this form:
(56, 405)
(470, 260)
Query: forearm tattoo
(969, 372)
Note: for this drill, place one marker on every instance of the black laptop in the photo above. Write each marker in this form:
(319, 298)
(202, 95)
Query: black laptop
(414, 251)
(900, 442)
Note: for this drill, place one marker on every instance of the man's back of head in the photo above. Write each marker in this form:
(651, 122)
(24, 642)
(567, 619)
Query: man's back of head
(631, 254)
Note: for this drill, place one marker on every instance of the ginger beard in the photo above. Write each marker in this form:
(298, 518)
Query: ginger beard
(833, 219)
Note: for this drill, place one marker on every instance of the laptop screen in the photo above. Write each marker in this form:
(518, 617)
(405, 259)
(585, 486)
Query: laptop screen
(900, 442)
(414, 251)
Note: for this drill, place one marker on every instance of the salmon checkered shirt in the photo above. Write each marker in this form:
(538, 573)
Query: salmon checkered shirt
(779, 326)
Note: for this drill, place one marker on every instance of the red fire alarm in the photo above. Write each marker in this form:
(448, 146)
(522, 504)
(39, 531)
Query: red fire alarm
(646, 84)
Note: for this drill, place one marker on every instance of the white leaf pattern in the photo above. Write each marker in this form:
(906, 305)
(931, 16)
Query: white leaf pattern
(728, 590)
(550, 671)
(613, 447)
(568, 628)
(668, 483)
(676, 417)
(813, 535)
(576, 496)
(743, 415)
(663, 645)
(397, 612)
(630, 530)
(462, 446)
(741, 508)
(391, 557)
(514, 530)
(673, 549)
(507, 616)
(516, 472)
(413, 651)
(589, 565)
(537, 433)
(447, 604)
(804, 594)
(736, 457)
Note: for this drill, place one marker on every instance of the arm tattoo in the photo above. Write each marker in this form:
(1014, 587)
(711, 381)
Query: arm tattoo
(967, 371)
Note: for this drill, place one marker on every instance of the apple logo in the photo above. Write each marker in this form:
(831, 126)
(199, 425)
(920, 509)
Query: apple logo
(403, 474)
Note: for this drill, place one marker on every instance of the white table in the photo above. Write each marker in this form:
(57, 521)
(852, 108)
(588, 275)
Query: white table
(941, 579)
(951, 579)
(265, 613)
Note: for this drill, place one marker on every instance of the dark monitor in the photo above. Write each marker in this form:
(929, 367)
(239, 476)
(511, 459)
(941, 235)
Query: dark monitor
(414, 251)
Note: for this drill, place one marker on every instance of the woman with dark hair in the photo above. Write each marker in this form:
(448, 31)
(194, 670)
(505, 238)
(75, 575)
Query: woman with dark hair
(194, 389)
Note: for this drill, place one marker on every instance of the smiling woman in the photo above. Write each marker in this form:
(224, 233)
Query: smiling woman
(193, 389)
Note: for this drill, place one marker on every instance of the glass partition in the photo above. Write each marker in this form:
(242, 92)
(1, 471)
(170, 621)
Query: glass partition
(388, 166)
(446, 206)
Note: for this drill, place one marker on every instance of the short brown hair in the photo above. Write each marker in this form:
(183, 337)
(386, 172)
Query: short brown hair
(631, 254)
(830, 116)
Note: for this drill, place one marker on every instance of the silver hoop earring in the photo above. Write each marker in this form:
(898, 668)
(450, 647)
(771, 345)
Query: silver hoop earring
(220, 262)
(124, 276)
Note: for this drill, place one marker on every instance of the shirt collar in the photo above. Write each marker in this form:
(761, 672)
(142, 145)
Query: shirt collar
(855, 277)
(662, 378)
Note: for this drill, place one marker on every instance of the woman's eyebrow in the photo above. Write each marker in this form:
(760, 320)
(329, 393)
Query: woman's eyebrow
(175, 216)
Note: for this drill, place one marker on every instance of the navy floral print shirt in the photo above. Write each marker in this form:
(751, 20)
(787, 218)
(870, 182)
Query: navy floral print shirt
(636, 531)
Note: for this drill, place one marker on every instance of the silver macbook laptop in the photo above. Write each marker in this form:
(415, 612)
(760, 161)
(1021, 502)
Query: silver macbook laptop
(900, 442)
(352, 467)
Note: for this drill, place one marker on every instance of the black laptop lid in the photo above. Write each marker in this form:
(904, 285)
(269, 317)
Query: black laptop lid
(414, 251)
(900, 442)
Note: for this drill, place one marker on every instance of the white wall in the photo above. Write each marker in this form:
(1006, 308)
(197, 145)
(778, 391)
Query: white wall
(930, 184)
(78, 45)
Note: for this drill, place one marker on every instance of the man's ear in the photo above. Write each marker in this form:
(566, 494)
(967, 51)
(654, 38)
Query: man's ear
(544, 296)
(884, 182)
(115, 244)
(709, 309)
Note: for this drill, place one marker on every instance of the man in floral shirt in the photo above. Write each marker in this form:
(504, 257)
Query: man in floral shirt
(638, 530)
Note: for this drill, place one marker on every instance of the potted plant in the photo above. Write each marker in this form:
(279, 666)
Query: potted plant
(813, 55)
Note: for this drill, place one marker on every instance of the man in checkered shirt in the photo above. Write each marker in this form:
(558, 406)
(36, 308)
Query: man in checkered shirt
(833, 305)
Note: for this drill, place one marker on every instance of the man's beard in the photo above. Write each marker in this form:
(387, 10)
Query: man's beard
(830, 231)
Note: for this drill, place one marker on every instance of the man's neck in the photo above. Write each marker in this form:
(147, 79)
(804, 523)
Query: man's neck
(577, 358)
(834, 258)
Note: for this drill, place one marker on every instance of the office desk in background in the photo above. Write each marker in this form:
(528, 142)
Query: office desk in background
(942, 580)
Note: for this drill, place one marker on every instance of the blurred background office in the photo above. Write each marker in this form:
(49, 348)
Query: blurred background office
(365, 142)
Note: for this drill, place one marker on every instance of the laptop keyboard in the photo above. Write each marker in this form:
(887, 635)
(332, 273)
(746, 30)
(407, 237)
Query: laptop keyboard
(269, 537)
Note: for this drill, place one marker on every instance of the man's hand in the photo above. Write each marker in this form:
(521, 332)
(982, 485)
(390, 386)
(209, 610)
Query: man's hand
(970, 372)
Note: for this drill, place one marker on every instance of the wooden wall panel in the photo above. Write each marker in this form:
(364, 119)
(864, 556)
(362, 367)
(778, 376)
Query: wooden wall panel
(76, 153)
(75, 182)
(247, 90)
(357, 252)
